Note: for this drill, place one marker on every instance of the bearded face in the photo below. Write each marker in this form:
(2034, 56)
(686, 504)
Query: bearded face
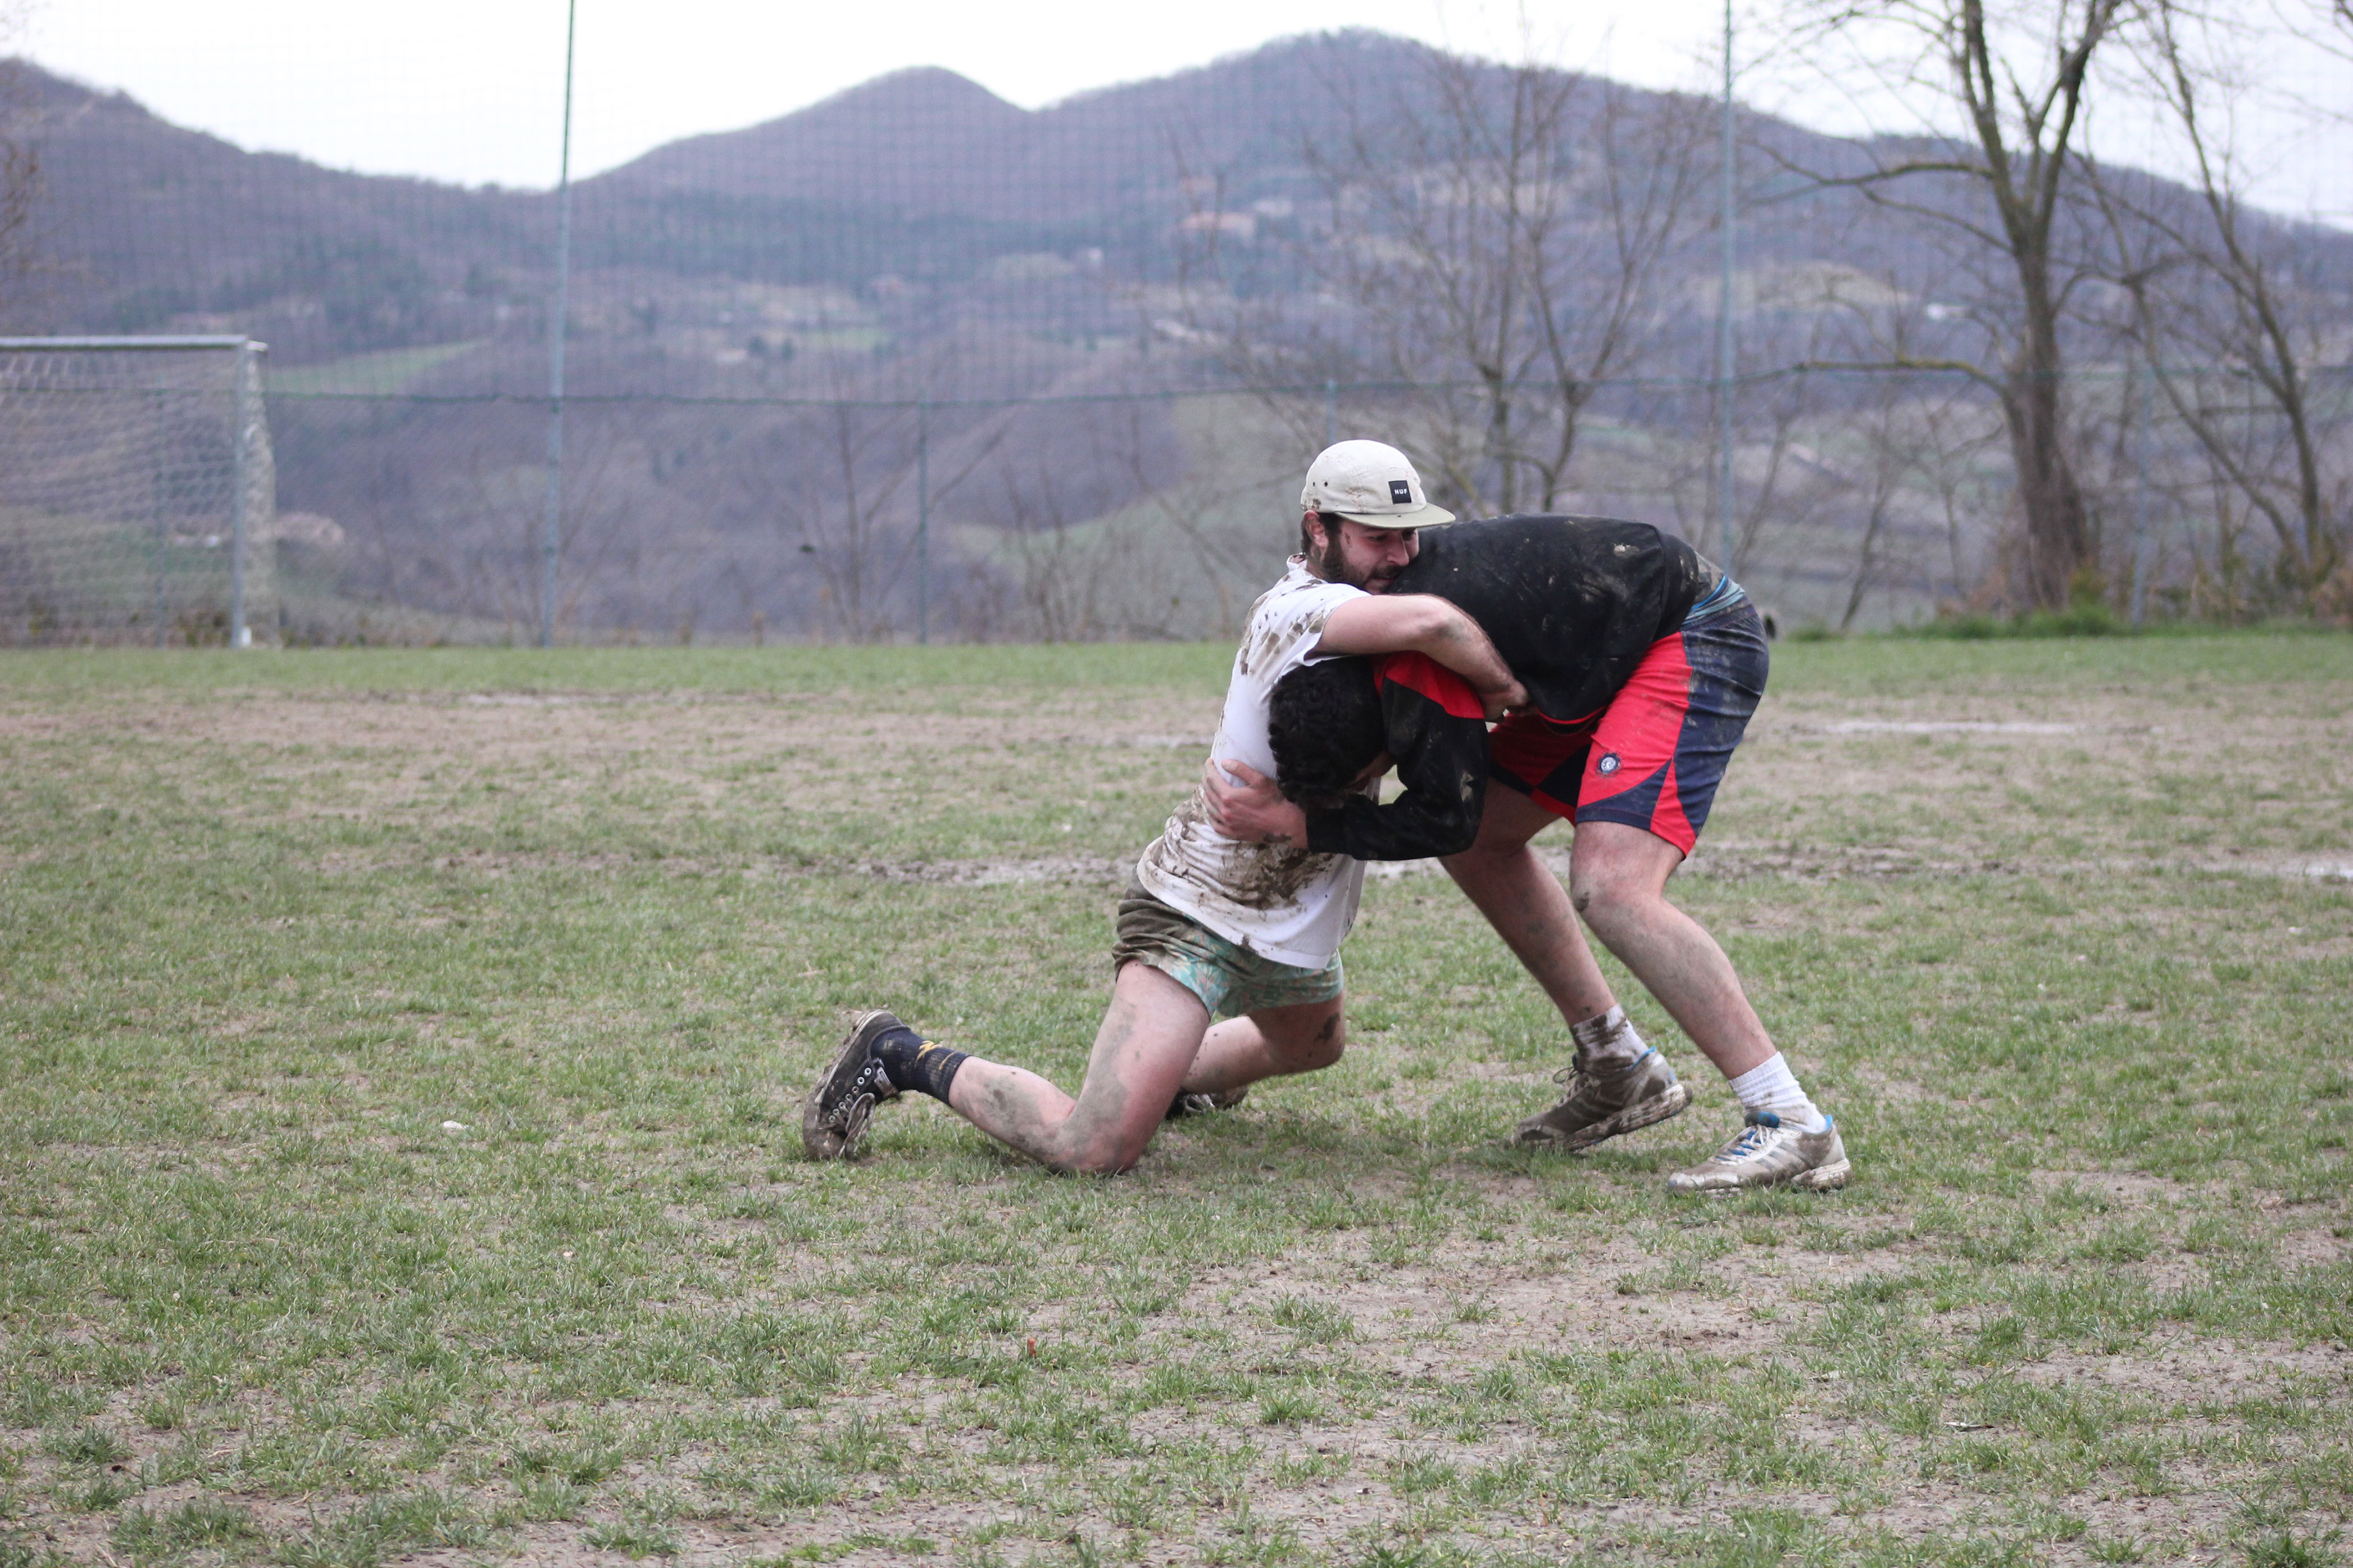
(1360, 556)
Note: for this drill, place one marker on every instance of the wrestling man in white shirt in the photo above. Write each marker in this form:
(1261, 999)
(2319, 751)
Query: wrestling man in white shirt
(1213, 925)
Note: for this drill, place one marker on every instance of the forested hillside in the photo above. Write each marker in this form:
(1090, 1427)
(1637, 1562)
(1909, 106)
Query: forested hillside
(1084, 345)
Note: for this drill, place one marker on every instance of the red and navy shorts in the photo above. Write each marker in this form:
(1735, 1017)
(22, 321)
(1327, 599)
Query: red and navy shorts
(1653, 757)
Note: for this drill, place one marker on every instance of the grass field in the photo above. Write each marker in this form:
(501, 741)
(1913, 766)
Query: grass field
(398, 1162)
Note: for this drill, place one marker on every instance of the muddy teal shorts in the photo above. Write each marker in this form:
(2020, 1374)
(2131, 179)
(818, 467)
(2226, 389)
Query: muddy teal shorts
(1230, 979)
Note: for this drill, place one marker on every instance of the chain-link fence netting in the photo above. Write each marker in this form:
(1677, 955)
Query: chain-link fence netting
(916, 362)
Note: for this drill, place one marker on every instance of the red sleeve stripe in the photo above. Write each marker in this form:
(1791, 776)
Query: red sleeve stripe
(1418, 672)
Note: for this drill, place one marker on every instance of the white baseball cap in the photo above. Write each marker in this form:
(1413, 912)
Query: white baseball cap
(1370, 482)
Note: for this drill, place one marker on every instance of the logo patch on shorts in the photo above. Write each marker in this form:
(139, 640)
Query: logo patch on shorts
(1401, 493)
(1608, 764)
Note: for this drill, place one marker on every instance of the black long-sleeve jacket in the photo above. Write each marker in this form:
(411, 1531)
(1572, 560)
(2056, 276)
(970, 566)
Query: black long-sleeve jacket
(1438, 735)
(1572, 603)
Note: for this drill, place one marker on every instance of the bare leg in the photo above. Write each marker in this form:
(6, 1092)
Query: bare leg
(1269, 1043)
(1617, 878)
(1527, 906)
(1148, 1039)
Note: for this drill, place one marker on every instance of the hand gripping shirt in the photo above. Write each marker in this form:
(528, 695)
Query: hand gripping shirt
(1283, 901)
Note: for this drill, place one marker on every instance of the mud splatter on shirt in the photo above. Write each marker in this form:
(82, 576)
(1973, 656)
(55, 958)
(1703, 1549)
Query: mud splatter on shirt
(1283, 901)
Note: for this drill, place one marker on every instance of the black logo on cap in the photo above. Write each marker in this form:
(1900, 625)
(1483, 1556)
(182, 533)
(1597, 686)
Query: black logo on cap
(1400, 492)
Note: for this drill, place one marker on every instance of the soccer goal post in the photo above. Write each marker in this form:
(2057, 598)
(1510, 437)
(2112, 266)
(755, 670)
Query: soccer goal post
(137, 493)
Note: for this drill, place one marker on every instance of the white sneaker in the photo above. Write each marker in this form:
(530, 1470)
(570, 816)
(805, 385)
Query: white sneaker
(1769, 1155)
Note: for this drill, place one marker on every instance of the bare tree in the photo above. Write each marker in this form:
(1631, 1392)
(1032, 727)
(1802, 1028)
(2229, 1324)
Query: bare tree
(873, 457)
(1496, 246)
(2021, 81)
(1888, 465)
(835, 481)
(2230, 290)
(840, 480)
(20, 178)
(1061, 564)
(1161, 560)
(1763, 476)
(1220, 558)
(480, 550)
(1917, 444)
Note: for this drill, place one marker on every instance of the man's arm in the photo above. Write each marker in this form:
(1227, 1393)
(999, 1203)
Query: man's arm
(1439, 738)
(1440, 741)
(1425, 623)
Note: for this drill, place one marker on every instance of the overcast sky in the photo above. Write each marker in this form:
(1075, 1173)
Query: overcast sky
(470, 90)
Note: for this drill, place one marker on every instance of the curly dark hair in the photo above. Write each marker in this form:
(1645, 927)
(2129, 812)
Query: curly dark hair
(1324, 724)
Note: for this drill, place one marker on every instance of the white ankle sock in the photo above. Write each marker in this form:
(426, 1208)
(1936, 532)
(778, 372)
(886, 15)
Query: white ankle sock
(1608, 1041)
(1774, 1088)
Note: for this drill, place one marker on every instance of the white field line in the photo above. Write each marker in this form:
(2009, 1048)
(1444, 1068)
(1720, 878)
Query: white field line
(1952, 727)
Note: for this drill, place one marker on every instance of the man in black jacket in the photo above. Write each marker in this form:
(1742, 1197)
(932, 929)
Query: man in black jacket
(1642, 663)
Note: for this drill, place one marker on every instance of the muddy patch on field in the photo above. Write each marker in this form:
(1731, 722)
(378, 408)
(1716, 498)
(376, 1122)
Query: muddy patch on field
(2025, 785)
(2182, 1370)
(470, 759)
(1063, 870)
(2119, 1189)
(1073, 870)
(2012, 781)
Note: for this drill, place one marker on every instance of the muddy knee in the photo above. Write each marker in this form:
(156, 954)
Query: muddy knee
(1589, 895)
(1331, 1041)
(1315, 1051)
(1093, 1163)
(1101, 1155)
(1602, 902)
(1317, 1056)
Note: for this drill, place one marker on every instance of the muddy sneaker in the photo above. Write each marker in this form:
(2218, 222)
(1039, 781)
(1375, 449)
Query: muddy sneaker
(1603, 1103)
(1767, 1154)
(833, 1117)
(1186, 1105)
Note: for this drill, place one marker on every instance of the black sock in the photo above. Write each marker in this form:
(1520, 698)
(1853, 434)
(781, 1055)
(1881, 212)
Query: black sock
(915, 1065)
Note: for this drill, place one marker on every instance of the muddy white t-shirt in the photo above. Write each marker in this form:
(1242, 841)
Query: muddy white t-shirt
(1279, 900)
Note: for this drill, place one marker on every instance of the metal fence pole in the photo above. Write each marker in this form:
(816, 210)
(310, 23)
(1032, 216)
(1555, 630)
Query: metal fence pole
(923, 520)
(2140, 498)
(240, 512)
(1723, 322)
(552, 523)
(163, 524)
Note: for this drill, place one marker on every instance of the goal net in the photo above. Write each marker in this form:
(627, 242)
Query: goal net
(136, 493)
